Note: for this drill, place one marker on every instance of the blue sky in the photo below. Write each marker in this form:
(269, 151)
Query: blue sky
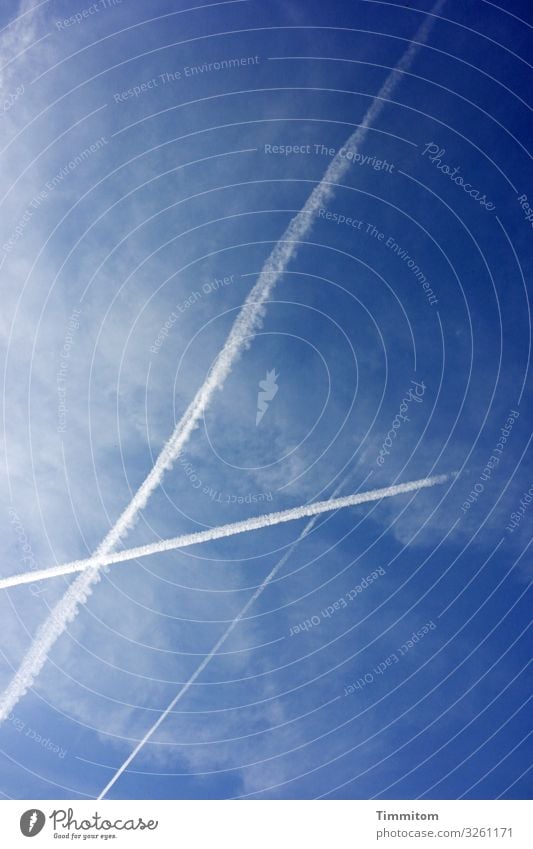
(121, 208)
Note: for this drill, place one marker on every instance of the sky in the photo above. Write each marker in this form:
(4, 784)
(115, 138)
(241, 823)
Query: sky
(153, 156)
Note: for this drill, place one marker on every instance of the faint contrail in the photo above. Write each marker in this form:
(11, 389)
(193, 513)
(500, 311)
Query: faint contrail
(250, 525)
(245, 326)
(255, 523)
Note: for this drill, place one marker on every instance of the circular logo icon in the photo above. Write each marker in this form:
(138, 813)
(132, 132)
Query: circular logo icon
(32, 822)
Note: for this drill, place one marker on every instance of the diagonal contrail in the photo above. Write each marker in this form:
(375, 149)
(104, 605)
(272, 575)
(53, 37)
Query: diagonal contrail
(248, 525)
(255, 523)
(245, 326)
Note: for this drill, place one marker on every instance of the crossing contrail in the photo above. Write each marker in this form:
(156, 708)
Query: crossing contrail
(265, 520)
(241, 334)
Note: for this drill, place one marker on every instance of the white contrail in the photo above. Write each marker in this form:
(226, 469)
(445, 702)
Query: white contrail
(249, 525)
(240, 336)
(265, 520)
